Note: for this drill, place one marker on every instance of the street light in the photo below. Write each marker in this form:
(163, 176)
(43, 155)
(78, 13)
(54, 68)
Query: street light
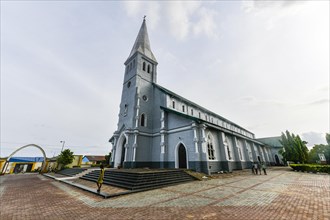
(62, 145)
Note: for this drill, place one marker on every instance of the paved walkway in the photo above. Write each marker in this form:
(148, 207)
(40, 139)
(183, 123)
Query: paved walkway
(282, 194)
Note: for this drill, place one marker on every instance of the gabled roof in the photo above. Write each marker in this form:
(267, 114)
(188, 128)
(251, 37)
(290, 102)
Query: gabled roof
(95, 158)
(142, 43)
(271, 141)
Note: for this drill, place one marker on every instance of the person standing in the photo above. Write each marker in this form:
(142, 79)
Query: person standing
(264, 168)
(259, 168)
(252, 167)
(100, 179)
(255, 167)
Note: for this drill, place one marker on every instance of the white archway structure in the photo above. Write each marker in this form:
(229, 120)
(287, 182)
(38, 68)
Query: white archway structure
(29, 145)
(120, 149)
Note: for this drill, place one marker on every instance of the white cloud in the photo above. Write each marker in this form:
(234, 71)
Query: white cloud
(150, 9)
(206, 24)
(257, 5)
(262, 102)
(181, 18)
(133, 8)
(313, 138)
(319, 102)
(272, 12)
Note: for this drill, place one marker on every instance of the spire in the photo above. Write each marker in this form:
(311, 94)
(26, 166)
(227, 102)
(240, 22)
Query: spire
(142, 43)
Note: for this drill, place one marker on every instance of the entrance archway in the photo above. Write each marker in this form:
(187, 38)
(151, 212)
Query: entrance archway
(182, 157)
(259, 159)
(29, 145)
(120, 151)
(122, 159)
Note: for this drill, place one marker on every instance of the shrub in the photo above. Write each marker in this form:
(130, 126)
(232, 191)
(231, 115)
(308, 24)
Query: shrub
(95, 165)
(311, 168)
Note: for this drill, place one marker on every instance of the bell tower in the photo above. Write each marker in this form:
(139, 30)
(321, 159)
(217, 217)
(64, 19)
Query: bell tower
(136, 101)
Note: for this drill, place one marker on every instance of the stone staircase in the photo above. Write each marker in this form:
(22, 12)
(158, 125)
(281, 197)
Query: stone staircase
(72, 171)
(139, 179)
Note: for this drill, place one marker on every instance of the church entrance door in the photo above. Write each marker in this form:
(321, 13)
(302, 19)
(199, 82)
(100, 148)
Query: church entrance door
(122, 158)
(277, 160)
(182, 156)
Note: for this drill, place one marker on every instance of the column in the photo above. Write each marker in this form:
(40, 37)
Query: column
(162, 139)
(194, 127)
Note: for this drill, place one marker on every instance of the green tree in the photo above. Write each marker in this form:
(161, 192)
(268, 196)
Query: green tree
(294, 149)
(313, 155)
(66, 157)
(327, 137)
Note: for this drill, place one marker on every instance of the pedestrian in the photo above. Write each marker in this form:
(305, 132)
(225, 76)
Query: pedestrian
(255, 166)
(252, 168)
(264, 168)
(259, 168)
(100, 179)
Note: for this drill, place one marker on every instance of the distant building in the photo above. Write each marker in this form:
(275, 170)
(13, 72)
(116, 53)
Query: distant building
(158, 128)
(93, 159)
(22, 164)
(276, 146)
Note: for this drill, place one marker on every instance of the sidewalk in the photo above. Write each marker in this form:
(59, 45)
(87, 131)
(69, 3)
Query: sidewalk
(282, 194)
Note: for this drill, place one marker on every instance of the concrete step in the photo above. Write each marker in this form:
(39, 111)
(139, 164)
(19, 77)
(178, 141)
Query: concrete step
(140, 180)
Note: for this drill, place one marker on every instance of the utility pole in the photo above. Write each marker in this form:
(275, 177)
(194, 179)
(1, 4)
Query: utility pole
(63, 142)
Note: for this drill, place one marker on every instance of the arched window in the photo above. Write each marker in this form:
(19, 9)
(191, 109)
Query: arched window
(143, 121)
(240, 153)
(192, 111)
(183, 108)
(228, 151)
(144, 66)
(199, 114)
(134, 63)
(125, 109)
(210, 148)
(148, 68)
(173, 104)
(227, 146)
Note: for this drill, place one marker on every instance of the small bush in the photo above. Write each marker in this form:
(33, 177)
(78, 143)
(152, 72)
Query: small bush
(315, 168)
(95, 165)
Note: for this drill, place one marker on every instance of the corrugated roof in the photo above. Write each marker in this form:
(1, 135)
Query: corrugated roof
(26, 159)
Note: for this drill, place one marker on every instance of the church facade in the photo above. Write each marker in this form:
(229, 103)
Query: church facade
(158, 128)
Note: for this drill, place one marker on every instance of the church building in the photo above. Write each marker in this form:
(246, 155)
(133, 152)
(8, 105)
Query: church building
(158, 128)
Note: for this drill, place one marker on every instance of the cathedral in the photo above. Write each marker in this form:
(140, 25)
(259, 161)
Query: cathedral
(158, 128)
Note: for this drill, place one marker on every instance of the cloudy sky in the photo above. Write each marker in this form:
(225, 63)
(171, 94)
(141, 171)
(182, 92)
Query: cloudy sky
(261, 64)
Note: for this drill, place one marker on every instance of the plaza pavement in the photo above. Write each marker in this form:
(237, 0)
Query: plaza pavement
(282, 194)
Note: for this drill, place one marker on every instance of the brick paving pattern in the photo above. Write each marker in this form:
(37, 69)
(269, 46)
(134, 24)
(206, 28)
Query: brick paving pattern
(282, 194)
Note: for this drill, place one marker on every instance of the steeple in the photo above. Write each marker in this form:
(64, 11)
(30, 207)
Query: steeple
(142, 43)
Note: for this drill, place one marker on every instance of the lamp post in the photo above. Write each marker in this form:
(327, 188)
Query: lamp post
(63, 142)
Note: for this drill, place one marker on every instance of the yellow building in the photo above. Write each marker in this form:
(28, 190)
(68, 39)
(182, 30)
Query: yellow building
(21, 164)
